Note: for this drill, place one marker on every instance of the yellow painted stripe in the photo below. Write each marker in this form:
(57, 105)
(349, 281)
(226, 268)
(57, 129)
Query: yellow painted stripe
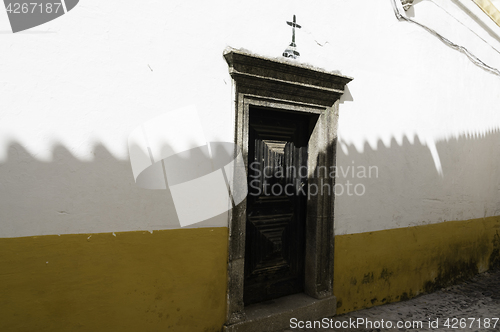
(134, 281)
(392, 265)
(489, 10)
(176, 279)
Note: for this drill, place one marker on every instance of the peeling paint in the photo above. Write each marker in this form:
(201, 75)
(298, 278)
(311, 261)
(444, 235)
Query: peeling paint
(494, 260)
(367, 278)
(399, 264)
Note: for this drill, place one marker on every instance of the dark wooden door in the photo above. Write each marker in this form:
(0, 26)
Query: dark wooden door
(276, 204)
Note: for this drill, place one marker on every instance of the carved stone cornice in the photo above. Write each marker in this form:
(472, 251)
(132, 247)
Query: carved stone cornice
(284, 79)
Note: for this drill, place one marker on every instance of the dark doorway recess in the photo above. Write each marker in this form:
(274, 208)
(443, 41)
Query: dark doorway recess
(276, 204)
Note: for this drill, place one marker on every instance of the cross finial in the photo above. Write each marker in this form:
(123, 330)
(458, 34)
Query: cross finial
(290, 51)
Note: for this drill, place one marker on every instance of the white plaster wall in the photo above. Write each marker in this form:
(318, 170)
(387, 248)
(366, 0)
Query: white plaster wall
(427, 117)
(72, 90)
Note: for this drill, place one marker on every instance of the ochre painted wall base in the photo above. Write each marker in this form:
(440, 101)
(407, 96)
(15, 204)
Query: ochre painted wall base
(176, 279)
(172, 280)
(397, 264)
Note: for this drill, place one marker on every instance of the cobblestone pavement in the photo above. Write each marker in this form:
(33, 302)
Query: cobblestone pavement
(468, 306)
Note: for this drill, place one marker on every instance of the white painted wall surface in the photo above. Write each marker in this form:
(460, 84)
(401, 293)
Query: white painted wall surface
(72, 90)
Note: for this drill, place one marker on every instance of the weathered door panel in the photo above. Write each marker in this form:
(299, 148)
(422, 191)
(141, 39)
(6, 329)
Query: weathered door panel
(276, 205)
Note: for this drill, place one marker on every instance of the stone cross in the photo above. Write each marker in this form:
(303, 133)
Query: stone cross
(290, 51)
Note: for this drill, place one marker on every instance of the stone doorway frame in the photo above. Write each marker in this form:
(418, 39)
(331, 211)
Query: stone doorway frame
(285, 85)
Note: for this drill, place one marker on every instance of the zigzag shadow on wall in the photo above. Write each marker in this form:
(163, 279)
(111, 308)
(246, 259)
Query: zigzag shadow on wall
(406, 189)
